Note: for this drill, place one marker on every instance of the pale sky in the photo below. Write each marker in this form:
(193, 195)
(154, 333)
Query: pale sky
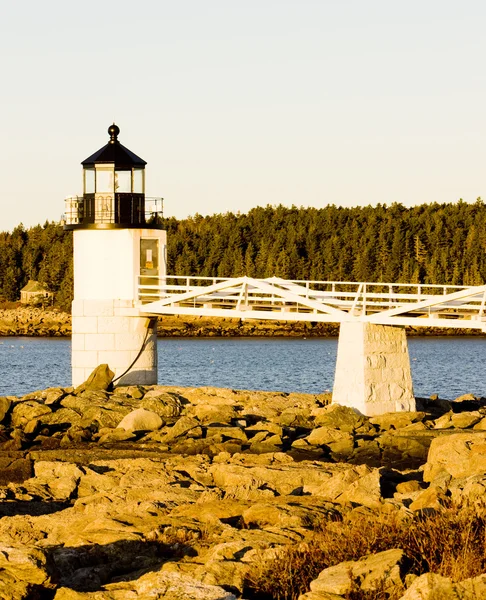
(241, 103)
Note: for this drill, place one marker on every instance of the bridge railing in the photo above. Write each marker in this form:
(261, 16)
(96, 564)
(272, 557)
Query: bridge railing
(185, 283)
(351, 296)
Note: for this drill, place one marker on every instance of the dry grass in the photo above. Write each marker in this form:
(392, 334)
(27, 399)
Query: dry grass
(451, 543)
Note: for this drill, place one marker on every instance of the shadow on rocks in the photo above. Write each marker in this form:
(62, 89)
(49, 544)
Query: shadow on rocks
(32, 508)
(87, 568)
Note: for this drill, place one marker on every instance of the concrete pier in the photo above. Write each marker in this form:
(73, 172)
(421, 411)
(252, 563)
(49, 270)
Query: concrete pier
(373, 369)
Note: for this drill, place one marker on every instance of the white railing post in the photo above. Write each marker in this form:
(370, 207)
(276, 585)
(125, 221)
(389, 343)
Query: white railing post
(481, 310)
(355, 302)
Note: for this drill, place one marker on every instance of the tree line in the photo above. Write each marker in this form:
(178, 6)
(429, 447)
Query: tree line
(428, 243)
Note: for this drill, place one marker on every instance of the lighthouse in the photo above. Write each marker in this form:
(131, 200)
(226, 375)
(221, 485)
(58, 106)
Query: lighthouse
(119, 243)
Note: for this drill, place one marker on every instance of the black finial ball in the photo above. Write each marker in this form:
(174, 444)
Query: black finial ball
(113, 130)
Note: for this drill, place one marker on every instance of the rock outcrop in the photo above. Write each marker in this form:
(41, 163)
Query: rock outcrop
(32, 321)
(168, 492)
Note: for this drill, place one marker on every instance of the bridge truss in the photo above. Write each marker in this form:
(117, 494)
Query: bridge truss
(418, 305)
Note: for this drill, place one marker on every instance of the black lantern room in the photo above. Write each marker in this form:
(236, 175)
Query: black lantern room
(113, 191)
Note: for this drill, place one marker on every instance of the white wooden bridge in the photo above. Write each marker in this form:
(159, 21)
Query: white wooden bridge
(420, 305)
(373, 372)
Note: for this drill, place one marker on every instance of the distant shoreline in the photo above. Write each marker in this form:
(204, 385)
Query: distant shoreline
(38, 322)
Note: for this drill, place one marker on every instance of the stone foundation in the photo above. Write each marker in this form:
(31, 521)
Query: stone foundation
(373, 369)
(104, 332)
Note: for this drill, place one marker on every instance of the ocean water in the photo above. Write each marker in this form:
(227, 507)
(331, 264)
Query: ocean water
(448, 366)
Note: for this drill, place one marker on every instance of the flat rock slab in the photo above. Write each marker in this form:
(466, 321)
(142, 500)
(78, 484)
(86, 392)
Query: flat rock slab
(458, 455)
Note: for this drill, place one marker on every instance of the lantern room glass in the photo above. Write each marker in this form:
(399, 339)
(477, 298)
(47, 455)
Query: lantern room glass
(138, 183)
(89, 181)
(104, 181)
(123, 182)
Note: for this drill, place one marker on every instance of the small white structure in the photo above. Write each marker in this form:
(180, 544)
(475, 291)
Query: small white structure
(35, 293)
(116, 243)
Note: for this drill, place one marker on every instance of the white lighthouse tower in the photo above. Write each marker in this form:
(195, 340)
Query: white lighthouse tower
(118, 243)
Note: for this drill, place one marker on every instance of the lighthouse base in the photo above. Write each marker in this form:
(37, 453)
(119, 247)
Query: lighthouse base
(104, 332)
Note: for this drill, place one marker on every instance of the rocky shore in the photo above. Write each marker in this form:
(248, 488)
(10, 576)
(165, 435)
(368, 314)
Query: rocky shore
(215, 494)
(32, 321)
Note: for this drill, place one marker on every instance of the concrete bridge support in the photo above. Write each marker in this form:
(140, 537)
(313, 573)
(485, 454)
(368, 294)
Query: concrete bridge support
(373, 369)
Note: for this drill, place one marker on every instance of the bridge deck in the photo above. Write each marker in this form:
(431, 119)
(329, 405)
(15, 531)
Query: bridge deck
(318, 301)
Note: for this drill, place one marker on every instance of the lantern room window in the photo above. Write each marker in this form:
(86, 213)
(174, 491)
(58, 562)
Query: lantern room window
(89, 181)
(138, 183)
(104, 181)
(123, 182)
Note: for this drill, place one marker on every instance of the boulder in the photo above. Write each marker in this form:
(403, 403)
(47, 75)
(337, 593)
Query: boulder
(132, 391)
(459, 455)
(23, 412)
(60, 478)
(431, 586)
(159, 585)
(27, 564)
(61, 416)
(340, 443)
(339, 417)
(408, 487)
(54, 395)
(329, 437)
(96, 408)
(215, 414)
(13, 589)
(228, 573)
(181, 427)
(364, 490)
(108, 435)
(366, 452)
(334, 482)
(464, 420)
(286, 513)
(14, 468)
(481, 425)
(5, 404)
(433, 498)
(296, 417)
(465, 398)
(265, 426)
(370, 573)
(227, 432)
(163, 403)
(404, 449)
(100, 379)
(141, 420)
(397, 420)
(444, 421)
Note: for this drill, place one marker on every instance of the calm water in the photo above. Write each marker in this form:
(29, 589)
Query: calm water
(449, 366)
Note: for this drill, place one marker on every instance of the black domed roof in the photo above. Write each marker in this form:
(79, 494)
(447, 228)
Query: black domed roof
(114, 152)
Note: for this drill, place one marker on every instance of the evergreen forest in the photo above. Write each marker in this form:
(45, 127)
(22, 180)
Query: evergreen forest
(428, 243)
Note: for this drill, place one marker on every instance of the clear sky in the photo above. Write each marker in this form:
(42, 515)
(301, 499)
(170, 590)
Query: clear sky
(240, 103)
